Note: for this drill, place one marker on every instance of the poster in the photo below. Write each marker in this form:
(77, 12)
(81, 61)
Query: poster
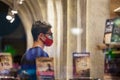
(81, 64)
(45, 68)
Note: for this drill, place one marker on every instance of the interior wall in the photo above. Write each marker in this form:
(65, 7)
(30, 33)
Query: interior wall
(97, 13)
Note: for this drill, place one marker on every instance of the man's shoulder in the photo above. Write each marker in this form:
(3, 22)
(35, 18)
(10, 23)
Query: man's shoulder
(34, 49)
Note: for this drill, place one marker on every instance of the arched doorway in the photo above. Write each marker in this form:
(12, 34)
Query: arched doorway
(12, 35)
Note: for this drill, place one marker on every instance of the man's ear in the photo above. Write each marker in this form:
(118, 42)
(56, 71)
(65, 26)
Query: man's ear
(41, 36)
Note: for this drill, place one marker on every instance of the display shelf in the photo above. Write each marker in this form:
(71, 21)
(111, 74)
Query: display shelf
(9, 78)
(105, 46)
(85, 78)
(109, 77)
(116, 52)
(117, 9)
(102, 46)
(114, 8)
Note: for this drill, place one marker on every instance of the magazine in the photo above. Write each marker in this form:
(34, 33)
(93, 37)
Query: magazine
(81, 65)
(45, 68)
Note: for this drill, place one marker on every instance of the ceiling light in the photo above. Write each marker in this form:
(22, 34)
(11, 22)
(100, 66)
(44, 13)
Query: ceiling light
(14, 11)
(8, 17)
(11, 21)
(21, 1)
(76, 31)
(11, 18)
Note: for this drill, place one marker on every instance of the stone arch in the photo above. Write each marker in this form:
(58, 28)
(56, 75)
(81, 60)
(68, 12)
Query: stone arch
(28, 13)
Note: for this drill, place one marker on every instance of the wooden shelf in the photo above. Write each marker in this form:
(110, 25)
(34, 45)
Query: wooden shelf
(117, 9)
(105, 46)
(102, 46)
(114, 8)
(116, 52)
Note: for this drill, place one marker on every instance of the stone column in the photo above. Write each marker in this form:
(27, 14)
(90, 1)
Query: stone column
(97, 13)
(71, 39)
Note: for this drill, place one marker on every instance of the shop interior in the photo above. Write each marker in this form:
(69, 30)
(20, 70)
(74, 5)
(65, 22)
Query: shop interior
(80, 29)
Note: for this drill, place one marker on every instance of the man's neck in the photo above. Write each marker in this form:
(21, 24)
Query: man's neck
(38, 44)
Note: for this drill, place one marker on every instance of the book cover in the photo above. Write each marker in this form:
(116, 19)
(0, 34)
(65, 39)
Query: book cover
(45, 68)
(112, 65)
(81, 64)
(5, 63)
(108, 31)
(116, 30)
(112, 31)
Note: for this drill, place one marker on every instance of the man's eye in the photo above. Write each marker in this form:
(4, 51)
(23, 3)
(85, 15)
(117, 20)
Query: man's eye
(50, 33)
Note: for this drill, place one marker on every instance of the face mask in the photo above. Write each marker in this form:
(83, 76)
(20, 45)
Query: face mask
(48, 41)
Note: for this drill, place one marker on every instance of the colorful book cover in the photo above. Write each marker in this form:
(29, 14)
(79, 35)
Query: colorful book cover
(112, 31)
(81, 64)
(112, 65)
(108, 31)
(116, 30)
(45, 68)
(5, 63)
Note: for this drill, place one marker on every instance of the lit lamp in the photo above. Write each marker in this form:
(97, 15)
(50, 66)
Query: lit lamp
(14, 11)
(12, 20)
(10, 16)
(21, 1)
(11, 13)
(76, 31)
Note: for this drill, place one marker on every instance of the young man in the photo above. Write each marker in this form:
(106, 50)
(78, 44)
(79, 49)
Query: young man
(42, 36)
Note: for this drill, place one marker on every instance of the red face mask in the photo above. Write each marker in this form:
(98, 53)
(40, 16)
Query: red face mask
(48, 41)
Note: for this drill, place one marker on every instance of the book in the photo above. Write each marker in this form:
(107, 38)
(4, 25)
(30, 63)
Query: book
(5, 63)
(112, 65)
(81, 64)
(45, 68)
(108, 31)
(116, 30)
(112, 31)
